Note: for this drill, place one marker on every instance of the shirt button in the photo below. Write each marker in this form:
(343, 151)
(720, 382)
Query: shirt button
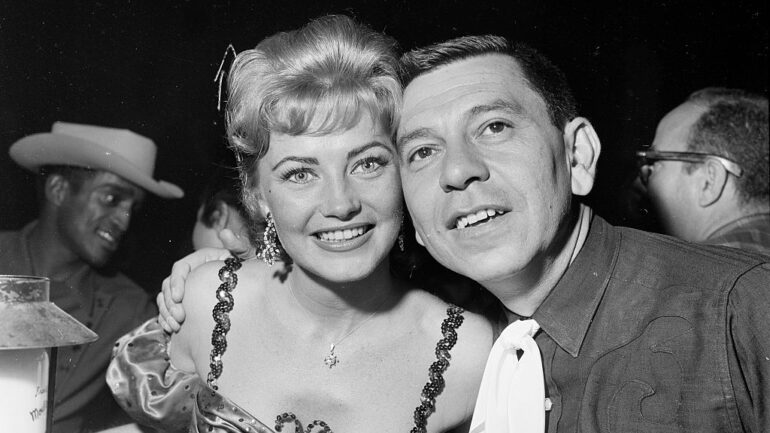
(548, 404)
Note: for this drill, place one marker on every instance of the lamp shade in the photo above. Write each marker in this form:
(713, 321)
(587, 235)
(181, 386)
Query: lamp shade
(29, 320)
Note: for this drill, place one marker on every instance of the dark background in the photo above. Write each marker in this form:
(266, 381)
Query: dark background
(149, 67)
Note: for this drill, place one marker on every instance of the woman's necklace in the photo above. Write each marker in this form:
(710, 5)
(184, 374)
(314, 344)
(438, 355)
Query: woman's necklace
(331, 358)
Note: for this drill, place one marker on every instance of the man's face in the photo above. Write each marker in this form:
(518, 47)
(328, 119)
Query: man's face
(485, 172)
(93, 219)
(666, 181)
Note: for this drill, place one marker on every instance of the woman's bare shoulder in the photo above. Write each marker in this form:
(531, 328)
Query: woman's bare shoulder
(467, 358)
(200, 294)
(474, 336)
(200, 298)
(474, 341)
(201, 284)
(475, 326)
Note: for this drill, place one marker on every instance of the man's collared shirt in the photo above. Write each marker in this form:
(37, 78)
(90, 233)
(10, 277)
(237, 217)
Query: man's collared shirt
(751, 233)
(647, 333)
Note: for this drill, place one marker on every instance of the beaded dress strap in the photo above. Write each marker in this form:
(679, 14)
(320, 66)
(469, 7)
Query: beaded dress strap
(436, 382)
(222, 318)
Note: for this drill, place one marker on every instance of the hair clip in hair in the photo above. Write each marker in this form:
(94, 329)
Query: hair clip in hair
(224, 67)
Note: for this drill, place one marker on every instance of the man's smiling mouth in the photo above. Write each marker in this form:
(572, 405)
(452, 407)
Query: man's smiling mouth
(107, 235)
(476, 218)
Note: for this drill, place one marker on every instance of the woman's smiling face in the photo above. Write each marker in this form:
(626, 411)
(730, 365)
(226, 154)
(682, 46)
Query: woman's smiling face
(336, 198)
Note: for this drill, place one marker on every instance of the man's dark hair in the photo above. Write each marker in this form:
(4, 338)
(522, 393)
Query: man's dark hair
(74, 175)
(735, 126)
(224, 186)
(543, 76)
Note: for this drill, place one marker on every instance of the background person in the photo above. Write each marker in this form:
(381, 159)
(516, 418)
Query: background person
(720, 195)
(220, 209)
(92, 179)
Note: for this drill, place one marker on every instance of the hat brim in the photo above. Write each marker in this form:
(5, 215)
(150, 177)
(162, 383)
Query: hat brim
(37, 150)
(40, 324)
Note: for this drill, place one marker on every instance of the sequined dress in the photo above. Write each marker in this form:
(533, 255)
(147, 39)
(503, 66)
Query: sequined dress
(149, 388)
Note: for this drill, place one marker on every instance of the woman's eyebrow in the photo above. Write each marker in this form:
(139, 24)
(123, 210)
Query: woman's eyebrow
(300, 159)
(359, 150)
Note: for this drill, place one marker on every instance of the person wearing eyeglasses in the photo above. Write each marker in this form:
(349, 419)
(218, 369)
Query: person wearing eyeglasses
(707, 173)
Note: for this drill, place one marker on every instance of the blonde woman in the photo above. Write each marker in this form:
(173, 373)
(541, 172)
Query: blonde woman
(318, 335)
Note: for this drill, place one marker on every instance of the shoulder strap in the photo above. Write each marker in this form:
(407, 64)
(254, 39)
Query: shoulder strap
(222, 318)
(436, 383)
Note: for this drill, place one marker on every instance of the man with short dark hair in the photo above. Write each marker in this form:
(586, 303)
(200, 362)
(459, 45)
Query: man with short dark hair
(637, 332)
(707, 172)
(91, 181)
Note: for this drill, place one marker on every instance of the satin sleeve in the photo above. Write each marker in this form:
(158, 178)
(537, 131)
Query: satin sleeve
(145, 383)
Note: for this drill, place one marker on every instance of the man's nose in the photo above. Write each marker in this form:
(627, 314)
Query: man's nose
(122, 216)
(461, 166)
(340, 200)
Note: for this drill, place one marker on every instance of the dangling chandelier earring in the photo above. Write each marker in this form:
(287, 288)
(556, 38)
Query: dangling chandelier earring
(269, 251)
(400, 238)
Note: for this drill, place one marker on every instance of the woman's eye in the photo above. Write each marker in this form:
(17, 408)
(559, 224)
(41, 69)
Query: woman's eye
(369, 165)
(421, 153)
(298, 176)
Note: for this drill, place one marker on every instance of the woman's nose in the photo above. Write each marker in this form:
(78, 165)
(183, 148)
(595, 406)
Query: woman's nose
(341, 201)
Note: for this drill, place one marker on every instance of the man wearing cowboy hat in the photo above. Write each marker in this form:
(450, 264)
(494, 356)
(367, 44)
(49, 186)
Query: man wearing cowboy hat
(92, 179)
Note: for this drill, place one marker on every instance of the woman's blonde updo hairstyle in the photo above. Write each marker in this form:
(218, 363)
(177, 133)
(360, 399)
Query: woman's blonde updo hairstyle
(312, 81)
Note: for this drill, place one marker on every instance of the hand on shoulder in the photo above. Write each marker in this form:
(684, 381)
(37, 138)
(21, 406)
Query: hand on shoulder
(199, 298)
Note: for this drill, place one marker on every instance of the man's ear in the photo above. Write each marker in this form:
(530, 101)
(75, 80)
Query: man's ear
(583, 149)
(56, 188)
(711, 178)
(220, 215)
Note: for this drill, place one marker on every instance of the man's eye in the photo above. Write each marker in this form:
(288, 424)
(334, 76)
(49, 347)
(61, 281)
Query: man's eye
(109, 199)
(495, 128)
(421, 153)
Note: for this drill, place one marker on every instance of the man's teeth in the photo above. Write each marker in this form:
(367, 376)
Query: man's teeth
(473, 218)
(106, 235)
(341, 235)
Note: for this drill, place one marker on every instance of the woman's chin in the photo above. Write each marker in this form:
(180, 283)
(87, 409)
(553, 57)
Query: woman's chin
(341, 271)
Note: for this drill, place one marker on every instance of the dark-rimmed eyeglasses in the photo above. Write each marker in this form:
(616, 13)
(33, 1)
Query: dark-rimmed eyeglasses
(648, 158)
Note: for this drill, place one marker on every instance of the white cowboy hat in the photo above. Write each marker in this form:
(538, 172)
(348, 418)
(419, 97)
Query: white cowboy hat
(120, 151)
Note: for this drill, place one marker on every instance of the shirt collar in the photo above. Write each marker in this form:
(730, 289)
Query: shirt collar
(758, 220)
(567, 312)
(75, 285)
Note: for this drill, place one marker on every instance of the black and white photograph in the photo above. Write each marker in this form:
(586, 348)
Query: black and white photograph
(384, 216)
